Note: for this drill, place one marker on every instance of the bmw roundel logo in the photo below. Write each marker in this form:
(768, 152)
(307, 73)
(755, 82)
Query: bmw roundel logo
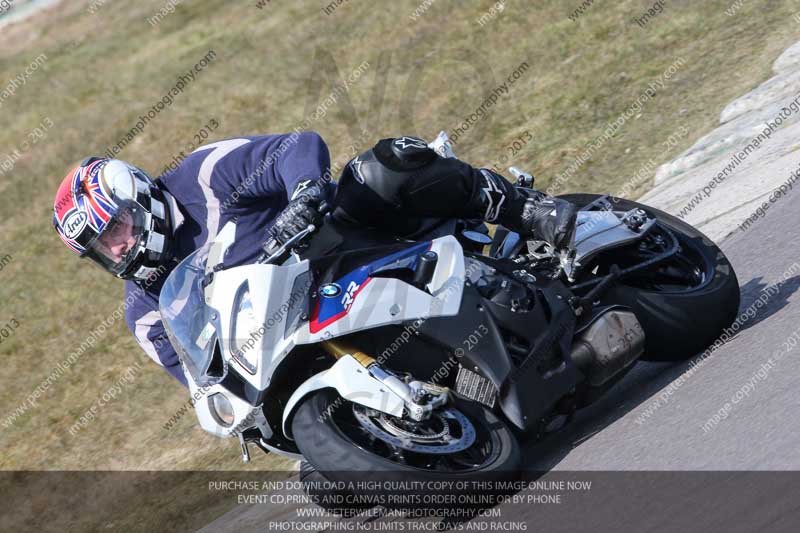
(330, 290)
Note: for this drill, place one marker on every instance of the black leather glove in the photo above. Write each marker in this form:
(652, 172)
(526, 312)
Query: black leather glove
(307, 207)
(527, 211)
(548, 218)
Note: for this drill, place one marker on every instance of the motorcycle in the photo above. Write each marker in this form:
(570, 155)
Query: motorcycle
(431, 358)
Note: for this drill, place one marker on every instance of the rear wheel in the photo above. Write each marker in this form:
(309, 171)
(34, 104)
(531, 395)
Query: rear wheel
(682, 303)
(406, 462)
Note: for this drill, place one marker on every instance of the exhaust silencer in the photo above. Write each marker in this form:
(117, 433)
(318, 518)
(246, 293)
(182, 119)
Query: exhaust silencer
(609, 345)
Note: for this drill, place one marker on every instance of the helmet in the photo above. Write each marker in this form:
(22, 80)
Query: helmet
(114, 214)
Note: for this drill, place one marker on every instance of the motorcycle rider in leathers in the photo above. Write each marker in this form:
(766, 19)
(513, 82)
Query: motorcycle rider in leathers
(273, 187)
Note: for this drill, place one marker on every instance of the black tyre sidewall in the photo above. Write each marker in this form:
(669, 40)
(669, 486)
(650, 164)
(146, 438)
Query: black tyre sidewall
(681, 324)
(317, 486)
(338, 459)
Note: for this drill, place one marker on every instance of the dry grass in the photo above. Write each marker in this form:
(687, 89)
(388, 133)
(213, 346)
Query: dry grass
(103, 70)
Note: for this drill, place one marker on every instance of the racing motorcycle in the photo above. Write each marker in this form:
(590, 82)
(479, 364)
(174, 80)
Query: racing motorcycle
(432, 357)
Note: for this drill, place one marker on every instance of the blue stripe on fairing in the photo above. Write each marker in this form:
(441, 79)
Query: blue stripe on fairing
(330, 307)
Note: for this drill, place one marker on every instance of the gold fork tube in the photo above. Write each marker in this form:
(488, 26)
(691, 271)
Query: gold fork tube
(339, 349)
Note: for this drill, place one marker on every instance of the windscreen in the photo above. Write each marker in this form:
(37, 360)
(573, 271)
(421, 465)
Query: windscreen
(192, 325)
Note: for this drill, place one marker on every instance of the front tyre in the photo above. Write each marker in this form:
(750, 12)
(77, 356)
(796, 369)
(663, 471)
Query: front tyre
(400, 464)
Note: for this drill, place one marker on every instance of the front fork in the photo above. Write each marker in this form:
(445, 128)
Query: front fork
(420, 399)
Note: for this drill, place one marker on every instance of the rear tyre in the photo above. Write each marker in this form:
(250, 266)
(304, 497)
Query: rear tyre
(678, 321)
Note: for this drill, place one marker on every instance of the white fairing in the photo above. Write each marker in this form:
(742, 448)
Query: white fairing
(278, 319)
(274, 288)
(270, 290)
(245, 415)
(384, 301)
(354, 383)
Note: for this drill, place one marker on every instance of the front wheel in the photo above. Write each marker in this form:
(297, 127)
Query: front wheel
(398, 463)
(683, 303)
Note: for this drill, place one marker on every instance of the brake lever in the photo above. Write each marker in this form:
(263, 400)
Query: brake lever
(285, 247)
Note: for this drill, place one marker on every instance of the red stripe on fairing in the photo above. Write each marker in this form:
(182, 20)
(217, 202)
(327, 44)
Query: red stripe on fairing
(315, 326)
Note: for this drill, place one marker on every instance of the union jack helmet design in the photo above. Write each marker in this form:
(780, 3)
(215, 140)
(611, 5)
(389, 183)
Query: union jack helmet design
(114, 214)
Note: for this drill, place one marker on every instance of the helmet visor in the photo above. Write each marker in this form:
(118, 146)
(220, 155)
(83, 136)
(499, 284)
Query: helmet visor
(116, 248)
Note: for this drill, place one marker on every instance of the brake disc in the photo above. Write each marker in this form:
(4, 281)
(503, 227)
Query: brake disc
(384, 428)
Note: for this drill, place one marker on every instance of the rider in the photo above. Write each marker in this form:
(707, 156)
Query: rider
(138, 228)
